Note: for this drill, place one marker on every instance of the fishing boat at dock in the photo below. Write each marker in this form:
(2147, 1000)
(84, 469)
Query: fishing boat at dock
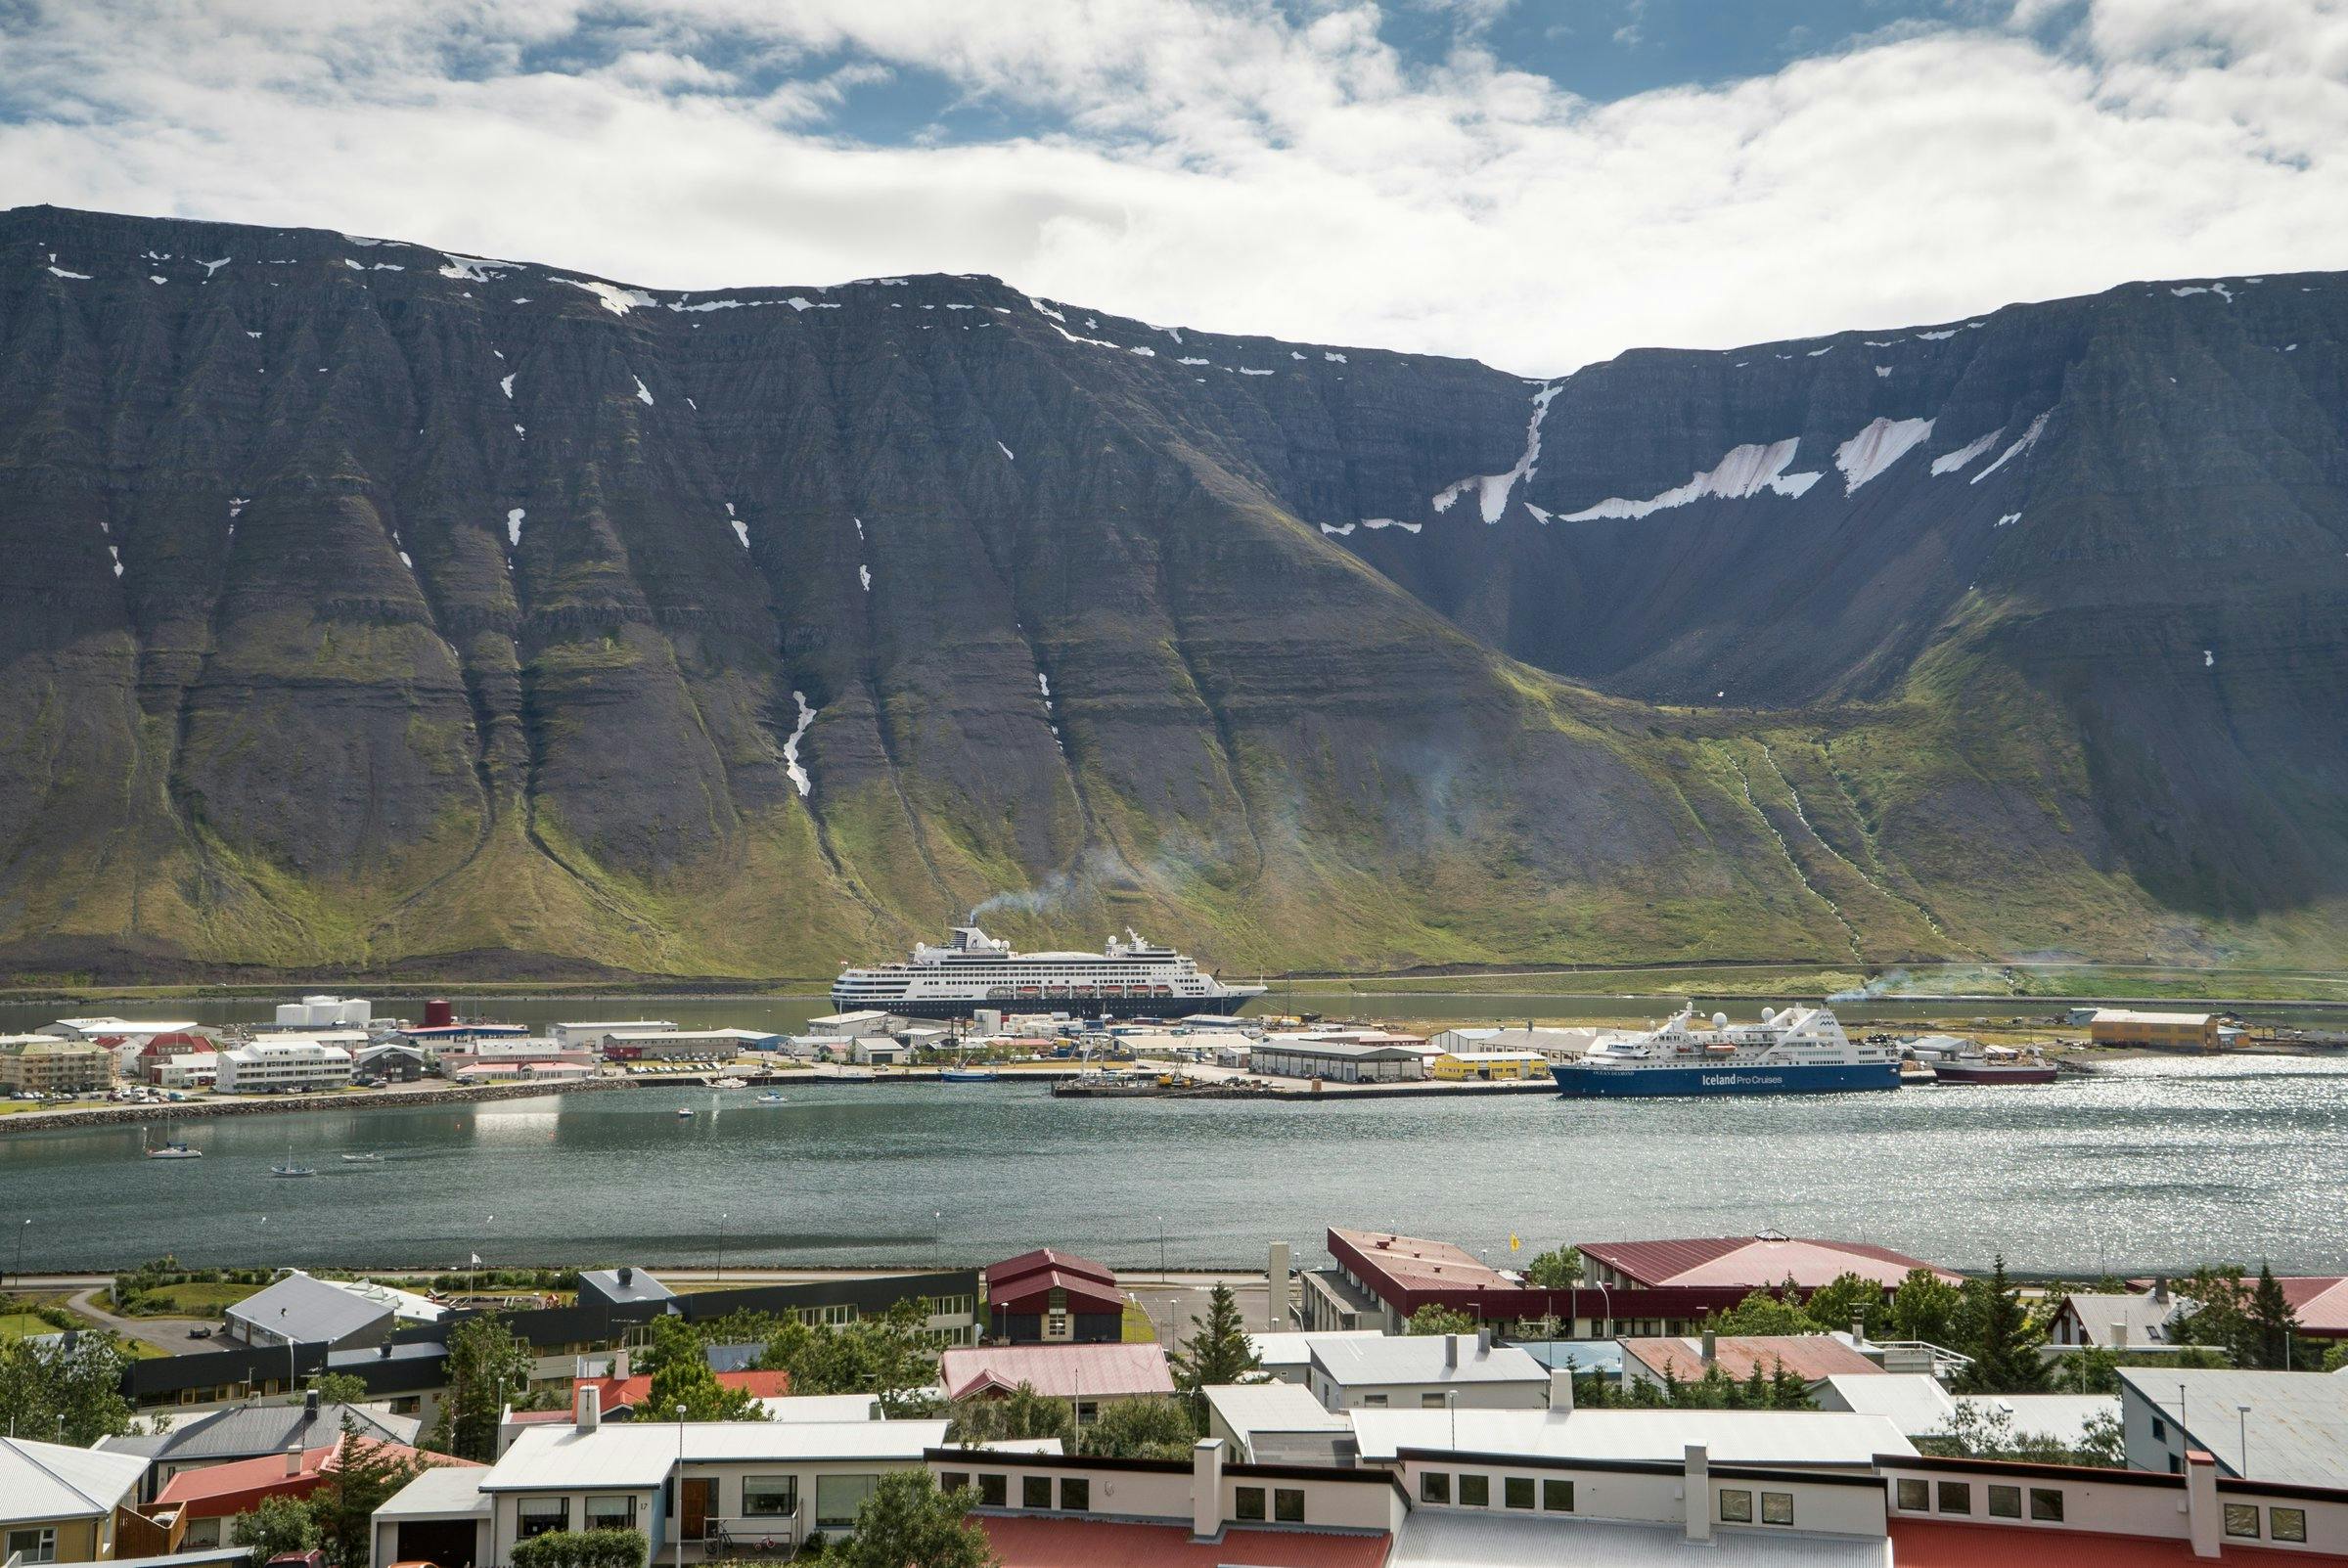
(1801, 1050)
(1995, 1064)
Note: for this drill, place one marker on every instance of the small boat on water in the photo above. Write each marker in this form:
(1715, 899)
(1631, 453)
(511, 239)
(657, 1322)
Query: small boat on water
(172, 1150)
(964, 1074)
(368, 1158)
(1995, 1064)
(288, 1168)
(685, 1114)
(731, 1083)
(770, 1098)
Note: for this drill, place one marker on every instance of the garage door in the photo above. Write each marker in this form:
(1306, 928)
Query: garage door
(449, 1543)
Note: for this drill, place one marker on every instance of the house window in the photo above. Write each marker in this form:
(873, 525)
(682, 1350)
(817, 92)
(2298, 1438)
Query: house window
(33, 1545)
(1430, 1402)
(1956, 1497)
(1087, 1412)
(1914, 1496)
(1434, 1486)
(1516, 1492)
(1556, 1497)
(1777, 1508)
(1035, 1492)
(1247, 1504)
(2286, 1524)
(1075, 1494)
(2005, 1503)
(2046, 1504)
(1376, 1402)
(770, 1497)
(1475, 1492)
(839, 1497)
(538, 1516)
(2160, 1430)
(994, 1491)
(2242, 1520)
(1735, 1505)
(953, 1480)
(612, 1512)
(1287, 1504)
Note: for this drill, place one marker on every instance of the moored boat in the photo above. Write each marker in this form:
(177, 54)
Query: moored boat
(1995, 1064)
(967, 1075)
(1801, 1050)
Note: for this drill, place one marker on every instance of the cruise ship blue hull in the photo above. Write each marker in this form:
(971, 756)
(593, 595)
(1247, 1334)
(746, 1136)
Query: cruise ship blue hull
(1725, 1079)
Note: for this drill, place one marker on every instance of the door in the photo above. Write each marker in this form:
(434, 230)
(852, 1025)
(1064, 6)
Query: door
(700, 1504)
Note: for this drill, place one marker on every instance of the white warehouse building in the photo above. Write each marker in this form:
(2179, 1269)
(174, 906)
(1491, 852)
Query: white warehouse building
(282, 1065)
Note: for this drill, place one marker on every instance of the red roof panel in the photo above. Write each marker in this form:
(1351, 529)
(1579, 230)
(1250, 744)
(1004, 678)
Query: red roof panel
(1809, 1357)
(1937, 1543)
(1753, 1261)
(1057, 1371)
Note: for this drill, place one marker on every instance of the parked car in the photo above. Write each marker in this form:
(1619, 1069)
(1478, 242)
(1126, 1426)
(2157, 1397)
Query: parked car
(200, 1331)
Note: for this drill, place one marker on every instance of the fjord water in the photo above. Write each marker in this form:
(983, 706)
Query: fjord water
(2146, 1165)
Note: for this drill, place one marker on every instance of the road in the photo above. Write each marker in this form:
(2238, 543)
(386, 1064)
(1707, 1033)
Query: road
(167, 1335)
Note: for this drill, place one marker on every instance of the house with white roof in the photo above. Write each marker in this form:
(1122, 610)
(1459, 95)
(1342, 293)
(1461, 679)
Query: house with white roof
(1377, 1371)
(1288, 1358)
(57, 1503)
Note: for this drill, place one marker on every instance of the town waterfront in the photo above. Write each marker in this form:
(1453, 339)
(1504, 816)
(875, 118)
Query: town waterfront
(2144, 1165)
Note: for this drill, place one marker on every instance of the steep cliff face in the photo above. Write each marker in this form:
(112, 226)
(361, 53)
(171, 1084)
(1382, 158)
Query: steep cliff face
(371, 606)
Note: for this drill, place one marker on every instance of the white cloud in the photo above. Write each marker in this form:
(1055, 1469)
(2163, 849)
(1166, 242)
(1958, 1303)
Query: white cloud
(1216, 162)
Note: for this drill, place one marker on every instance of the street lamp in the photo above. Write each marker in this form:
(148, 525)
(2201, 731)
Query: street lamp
(1162, 1249)
(20, 1250)
(721, 1246)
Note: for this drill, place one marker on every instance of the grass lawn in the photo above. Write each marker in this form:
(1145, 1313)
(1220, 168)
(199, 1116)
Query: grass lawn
(9, 1107)
(185, 1300)
(23, 1325)
(1139, 1330)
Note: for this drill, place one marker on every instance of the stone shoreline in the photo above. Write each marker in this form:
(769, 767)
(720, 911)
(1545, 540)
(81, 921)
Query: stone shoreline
(113, 1115)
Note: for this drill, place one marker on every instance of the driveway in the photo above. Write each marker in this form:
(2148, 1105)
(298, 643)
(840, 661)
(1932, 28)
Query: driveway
(168, 1334)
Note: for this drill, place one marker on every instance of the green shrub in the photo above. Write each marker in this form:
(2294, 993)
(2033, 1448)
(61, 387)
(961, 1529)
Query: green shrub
(581, 1548)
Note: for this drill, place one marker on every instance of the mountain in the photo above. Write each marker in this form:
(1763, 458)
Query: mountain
(375, 609)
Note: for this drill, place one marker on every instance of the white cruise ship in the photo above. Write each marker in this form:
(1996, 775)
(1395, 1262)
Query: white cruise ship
(1801, 1050)
(1132, 978)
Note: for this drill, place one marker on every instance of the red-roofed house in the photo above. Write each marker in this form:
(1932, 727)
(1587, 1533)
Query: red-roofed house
(620, 1397)
(2320, 1304)
(1086, 1376)
(1812, 1358)
(204, 1500)
(1051, 1297)
(1747, 1263)
(159, 1052)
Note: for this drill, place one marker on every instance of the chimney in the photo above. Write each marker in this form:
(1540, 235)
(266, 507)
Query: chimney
(621, 1361)
(2118, 1334)
(1695, 1492)
(1276, 1276)
(1207, 1488)
(292, 1458)
(309, 1406)
(2202, 1516)
(1450, 1352)
(1560, 1390)
(1483, 1343)
(627, 1273)
(587, 1407)
(385, 1350)
(1711, 1348)
(1858, 1329)
(2160, 1291)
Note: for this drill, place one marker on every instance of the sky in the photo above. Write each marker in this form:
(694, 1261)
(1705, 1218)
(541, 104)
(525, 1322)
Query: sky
(1536, 185)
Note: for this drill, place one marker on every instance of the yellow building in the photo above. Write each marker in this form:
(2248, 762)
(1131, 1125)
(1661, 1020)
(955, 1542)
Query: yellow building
(2187, 1031)
(43, 1065)
(57, 1504)
(1490, 1065)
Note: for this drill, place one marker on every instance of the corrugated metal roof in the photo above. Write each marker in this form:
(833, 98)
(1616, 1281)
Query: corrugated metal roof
(1438, 1538)
(1057, 1372)
(438, 1493)
(1757, 1262)
(1732, 1437)
(1413, 1263)
(1079, 1543)
(2296, 1427)
(1251, 1408)
(1808, 1357)
(1296, 1350)
(1370, 1361)
(309, 1311)
(41, 1481)
(636, 1455)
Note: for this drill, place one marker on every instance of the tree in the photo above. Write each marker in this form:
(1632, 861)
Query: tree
(1924, 1307)
(365, 1476)
(276, 1527)
(1983, 1430)
(1846, 1299)
(1217, 1352)
(1435, 1319)
(908, 1523)
(1557, 1269)
(888, 1357)
(1020, 1414)
(672, 1340)
(487, 1366)
(66, 1390)
(687, 1381)
(1761, 1312)
(2272, 1323)
(1140, 1429)
(339, 1388)
(2216, 1312)
(2003, 1346)
(2090, 1370)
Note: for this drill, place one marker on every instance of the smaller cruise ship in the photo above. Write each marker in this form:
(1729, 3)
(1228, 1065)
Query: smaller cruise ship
(1801, 1050)
(1132, 978)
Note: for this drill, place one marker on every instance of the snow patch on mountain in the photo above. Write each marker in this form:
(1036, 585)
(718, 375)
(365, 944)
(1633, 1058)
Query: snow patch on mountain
(1951, 462)
(616, 299)
(1746, 472)
(790, 747)
(513, 525)
(644, 393)
(473, 269)
(1878, 447)
(1492, 489)
(2022, 443)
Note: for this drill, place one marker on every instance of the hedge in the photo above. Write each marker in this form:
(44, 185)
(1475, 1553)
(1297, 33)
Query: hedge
(581, 1548)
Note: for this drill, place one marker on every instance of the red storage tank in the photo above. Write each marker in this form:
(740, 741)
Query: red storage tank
(439, 1015)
